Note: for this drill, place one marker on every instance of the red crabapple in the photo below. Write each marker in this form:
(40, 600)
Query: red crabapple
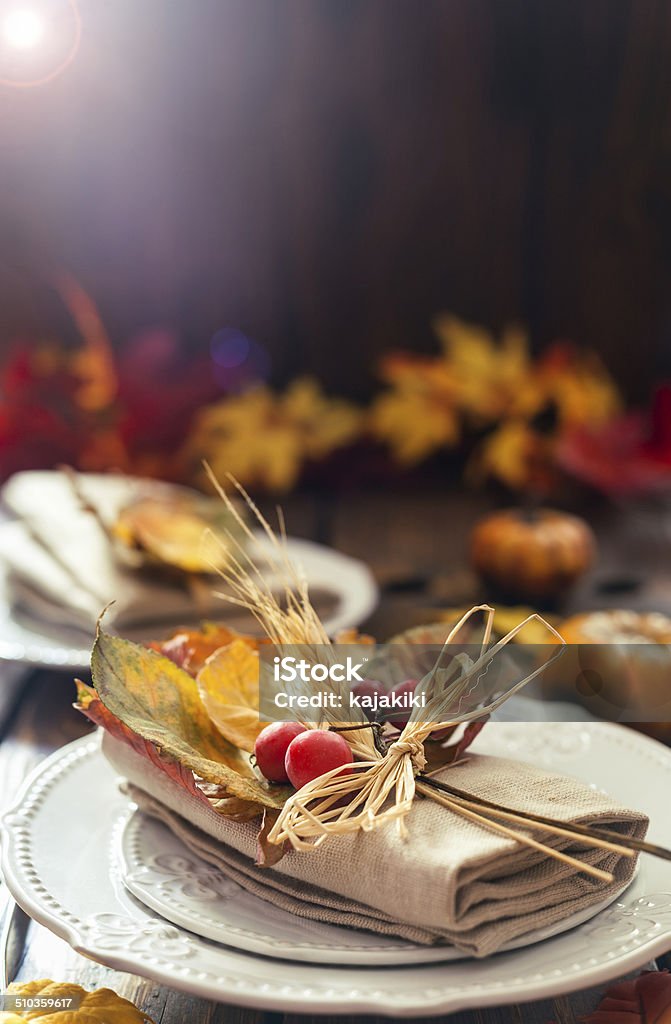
(271, 747)
(314, 752)
(369, 689)
(402, 717)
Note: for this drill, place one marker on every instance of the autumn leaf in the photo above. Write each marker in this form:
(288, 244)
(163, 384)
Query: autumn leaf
(190, 649)
(414, 423)
(578, 384)
(100, 1007)
(487, 373)
(325, 423)
(508, 454)
(268, 854)
(440, 753)
(89, 703)
(643, 1000)
(160, 702)
(228, 685)
(188, 534)
(262, 438)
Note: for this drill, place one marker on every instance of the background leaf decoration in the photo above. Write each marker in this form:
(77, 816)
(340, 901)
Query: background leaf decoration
(228, 685)
(160, 702)
(100, 1007)
(643, 1000)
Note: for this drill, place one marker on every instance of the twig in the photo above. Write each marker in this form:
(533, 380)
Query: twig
(592, 831)
(558, 828)
(565, 858)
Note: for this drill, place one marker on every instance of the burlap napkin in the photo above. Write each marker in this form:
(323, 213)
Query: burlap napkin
(451, 881)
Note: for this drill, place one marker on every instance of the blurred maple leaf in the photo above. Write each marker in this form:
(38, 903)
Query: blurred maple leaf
(628, 455)
(265, 439)
(414, 423)
(643, 1000)
(488, 374)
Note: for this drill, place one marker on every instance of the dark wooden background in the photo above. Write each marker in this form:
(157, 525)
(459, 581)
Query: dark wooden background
(327, 174)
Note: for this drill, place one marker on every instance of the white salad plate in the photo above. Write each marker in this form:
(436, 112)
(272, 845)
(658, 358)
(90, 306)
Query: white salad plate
(345, 581)
(61, 860)
(165, 876)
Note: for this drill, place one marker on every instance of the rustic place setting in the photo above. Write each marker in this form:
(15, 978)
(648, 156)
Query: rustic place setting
(335, 512)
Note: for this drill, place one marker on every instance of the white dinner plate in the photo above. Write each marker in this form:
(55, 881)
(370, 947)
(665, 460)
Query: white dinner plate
(60, 861)
(346, 583)
(167, 877)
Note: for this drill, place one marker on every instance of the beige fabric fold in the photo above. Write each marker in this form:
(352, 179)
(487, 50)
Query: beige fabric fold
(451, 881)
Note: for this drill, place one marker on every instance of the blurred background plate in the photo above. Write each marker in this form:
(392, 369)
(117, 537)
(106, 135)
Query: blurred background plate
(343, 590)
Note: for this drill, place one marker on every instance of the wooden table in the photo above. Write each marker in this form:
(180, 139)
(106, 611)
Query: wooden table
(416, 546)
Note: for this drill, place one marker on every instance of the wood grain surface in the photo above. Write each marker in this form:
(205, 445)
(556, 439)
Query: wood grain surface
(327, 175)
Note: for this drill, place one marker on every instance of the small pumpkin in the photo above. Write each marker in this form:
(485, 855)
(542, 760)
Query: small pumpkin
(618, 665)
(533, 554)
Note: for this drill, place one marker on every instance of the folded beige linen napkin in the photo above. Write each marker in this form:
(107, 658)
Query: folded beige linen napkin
(451, 881)
(61, 566)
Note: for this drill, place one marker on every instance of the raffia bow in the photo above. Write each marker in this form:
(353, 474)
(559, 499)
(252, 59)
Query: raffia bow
(316, 811)
(381, 786)
(381, 790)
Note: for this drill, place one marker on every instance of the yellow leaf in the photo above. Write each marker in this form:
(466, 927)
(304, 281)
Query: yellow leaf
(184, 533)
(413, 424)
(488, 374)
(263, 438)
(507, 454)
(100, 1007)
(190, 648)
(327, 424)
(228, 685)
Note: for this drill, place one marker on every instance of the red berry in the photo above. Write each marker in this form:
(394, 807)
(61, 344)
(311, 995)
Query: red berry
(368, 688)
(271, 747)
(315, 752)
(402, 717)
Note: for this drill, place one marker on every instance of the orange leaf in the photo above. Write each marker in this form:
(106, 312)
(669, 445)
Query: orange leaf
(183, 531)
(190, 649)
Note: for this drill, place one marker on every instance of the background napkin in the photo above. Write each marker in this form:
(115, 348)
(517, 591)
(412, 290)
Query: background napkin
(450, 881)
(62, 567)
